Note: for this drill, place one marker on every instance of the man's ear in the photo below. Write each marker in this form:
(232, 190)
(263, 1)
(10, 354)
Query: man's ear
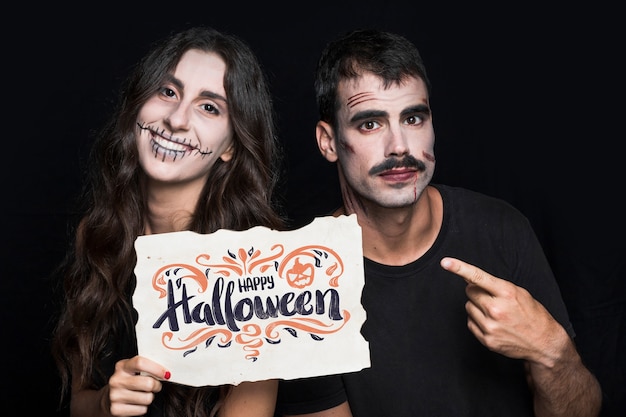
(228, 154)
(326, 141)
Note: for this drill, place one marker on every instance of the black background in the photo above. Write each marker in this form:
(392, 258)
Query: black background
(527, 101)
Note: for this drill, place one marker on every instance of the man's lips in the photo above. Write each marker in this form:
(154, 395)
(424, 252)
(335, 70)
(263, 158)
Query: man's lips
(398, 175)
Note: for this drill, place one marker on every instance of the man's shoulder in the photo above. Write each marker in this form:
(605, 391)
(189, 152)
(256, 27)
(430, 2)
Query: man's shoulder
(458, 192)
(456, 198)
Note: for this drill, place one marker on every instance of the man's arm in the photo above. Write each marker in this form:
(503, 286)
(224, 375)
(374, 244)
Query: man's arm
(561, 384)
(508, 320)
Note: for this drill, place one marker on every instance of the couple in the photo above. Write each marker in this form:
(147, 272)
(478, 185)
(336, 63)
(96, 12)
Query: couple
(192, 146)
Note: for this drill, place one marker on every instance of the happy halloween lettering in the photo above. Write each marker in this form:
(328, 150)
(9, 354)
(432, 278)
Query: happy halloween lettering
(250, 309)
(222, 311)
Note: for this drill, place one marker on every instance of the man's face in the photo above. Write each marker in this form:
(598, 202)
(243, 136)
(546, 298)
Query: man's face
(384, 140)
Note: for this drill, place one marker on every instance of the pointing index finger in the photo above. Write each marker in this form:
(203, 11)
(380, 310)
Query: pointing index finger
(470, 273)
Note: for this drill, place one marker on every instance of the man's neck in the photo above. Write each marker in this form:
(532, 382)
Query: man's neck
(399, 236)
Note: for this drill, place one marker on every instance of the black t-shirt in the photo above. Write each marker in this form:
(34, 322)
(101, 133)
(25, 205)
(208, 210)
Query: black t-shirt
(424, 359)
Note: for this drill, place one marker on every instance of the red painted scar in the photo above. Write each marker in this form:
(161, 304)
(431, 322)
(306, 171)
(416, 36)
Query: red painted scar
(352, 101)
(347, 147)
(428, 156)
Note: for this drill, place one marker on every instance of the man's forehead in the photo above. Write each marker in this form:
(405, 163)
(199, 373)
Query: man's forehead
(365, 83)
(370, 88)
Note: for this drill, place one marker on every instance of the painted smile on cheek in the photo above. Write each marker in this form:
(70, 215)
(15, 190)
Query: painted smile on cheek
(167, 145)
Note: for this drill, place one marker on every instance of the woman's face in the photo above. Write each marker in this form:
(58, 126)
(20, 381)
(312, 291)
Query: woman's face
(185, 127)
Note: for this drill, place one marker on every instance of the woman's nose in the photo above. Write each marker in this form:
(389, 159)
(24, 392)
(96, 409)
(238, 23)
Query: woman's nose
(178, 119)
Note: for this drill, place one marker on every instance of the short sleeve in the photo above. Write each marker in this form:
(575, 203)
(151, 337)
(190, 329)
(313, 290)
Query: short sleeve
(309, 395)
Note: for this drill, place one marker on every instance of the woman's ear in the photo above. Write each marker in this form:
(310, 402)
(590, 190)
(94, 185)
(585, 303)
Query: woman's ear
(228, 154)
(326, 140)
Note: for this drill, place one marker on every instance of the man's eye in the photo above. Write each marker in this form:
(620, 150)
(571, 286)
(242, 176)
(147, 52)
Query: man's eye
(370, 125)
(414, 120)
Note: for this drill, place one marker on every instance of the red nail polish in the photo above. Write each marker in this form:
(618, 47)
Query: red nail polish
(167, 375)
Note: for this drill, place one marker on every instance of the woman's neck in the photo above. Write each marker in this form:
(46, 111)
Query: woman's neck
(170, 207)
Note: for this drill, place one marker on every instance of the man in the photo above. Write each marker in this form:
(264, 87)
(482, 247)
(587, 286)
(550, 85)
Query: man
(441, 345)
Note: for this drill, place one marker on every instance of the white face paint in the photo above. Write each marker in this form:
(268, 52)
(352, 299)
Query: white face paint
(185, 126)
(377, 129)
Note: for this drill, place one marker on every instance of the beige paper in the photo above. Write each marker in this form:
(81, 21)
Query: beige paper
(228, 307)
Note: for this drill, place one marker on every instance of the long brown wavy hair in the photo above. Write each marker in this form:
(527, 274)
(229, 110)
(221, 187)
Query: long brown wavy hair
(97, 274)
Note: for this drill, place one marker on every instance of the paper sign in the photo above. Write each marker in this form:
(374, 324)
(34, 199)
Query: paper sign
(235, 306)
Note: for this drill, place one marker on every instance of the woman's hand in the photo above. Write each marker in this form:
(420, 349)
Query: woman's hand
(133, 385)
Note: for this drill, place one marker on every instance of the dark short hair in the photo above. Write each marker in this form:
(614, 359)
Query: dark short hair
(390, 56)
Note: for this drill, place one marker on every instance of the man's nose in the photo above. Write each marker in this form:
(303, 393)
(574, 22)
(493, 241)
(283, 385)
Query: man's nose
(396, 142)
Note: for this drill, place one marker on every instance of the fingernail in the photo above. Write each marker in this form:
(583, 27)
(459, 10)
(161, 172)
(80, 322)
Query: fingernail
(167, 375)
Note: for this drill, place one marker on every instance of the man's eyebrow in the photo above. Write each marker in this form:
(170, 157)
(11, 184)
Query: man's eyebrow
(420, 108)
(372, 114)
(368, 114)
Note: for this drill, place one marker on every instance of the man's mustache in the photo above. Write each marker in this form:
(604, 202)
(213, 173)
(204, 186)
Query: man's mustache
(408, 161)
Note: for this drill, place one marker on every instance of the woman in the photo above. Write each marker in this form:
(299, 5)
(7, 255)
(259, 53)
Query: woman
(191, 146)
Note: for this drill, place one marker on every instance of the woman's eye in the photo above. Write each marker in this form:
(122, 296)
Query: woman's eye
(168, 92)
(210, 108)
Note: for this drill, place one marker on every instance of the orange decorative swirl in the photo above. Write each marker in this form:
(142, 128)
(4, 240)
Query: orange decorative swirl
(267, 259)
(250, 344)
(244, 265)
(159, 282)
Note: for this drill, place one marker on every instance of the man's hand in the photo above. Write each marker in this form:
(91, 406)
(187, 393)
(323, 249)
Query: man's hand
(506, 318)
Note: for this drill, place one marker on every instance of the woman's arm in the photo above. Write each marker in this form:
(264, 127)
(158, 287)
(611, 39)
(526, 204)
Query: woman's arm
(253, 399)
